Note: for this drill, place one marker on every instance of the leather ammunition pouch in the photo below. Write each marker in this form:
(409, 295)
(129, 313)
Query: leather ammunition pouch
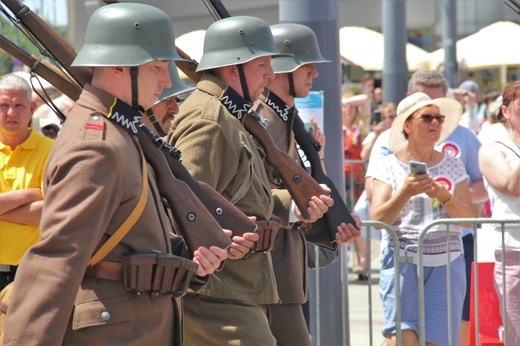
(267, 231)
(156, 273)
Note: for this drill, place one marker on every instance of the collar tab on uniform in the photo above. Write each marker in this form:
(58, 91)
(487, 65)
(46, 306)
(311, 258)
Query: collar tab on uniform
(282, 109)
(124, 115)
(235, 104)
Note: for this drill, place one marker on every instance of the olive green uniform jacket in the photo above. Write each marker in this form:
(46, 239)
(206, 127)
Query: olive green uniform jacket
(218, 150)
(92, 183)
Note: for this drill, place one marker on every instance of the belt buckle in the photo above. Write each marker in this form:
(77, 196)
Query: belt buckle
(5, 268)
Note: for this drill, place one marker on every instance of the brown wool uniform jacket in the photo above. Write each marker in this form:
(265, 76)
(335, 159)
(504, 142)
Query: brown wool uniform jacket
(92, 183)
(290, 250)
(218, 150)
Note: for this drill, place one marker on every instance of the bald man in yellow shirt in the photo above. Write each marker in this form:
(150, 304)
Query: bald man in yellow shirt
(23, 156)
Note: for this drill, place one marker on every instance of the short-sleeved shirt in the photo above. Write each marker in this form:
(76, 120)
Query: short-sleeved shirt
(21, 169)
(462, 143)
(422, 210)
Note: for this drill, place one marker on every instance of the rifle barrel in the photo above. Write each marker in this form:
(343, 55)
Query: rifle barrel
(54, 43)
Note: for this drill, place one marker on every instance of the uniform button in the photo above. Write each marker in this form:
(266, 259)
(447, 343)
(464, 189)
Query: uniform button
(95, 117)
(105, 316)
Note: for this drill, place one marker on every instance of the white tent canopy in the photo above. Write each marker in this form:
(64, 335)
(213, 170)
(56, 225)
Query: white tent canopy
(365, 48)
(192, 43)
(491, 47)
(358, 45)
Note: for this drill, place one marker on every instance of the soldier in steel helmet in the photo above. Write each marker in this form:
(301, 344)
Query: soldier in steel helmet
(293, 78)
(160, 116)
(235, 66)
(92, 183)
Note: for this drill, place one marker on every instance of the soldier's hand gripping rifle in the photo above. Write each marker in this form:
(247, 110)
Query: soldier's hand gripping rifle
(337, 214)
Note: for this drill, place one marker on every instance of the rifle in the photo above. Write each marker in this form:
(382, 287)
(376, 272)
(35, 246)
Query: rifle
(43, 68)
(196, 224)
(50, 39)
(517, 5)
(188, 211)
(296, 179)
(225, 212)
(339, 212)
(336, 214)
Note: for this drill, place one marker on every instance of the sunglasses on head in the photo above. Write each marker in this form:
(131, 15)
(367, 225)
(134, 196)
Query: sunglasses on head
(428, 118)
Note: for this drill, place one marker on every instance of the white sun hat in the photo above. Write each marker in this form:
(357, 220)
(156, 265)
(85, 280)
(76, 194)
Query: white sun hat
(448, 107)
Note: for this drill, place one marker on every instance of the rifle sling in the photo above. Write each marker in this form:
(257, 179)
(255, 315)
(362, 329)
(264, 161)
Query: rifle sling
(241, 192)
(130, 221)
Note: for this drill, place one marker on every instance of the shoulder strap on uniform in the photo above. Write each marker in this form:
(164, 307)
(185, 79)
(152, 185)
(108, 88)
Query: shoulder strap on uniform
(128, 223)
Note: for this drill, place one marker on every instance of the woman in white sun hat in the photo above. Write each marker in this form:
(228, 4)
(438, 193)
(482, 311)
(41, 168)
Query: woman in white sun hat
(408, 202)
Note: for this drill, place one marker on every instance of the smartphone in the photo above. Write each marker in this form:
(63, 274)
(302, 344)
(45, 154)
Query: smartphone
(418, 168)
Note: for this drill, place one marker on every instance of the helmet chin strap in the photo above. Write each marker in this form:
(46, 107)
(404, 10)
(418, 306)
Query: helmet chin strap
(134, 72)
(243, 81)
(292, 92)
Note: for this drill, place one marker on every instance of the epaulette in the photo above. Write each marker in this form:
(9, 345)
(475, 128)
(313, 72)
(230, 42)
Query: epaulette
(94, 127)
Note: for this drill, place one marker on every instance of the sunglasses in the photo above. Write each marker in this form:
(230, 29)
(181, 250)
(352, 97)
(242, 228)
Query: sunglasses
(428, 118)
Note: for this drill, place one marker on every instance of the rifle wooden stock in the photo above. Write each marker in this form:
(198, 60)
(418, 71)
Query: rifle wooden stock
(198, 227)
(48, 71)
(188, 67)
(227, 215)
(50, 39)
(297, 180)
(339, 212)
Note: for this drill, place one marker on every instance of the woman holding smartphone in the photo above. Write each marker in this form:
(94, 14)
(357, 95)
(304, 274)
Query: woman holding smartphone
(408, 201)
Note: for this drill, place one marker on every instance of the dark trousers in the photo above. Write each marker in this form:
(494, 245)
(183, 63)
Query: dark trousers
(7, 277)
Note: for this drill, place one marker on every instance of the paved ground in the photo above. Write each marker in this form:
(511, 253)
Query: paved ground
(359, 305)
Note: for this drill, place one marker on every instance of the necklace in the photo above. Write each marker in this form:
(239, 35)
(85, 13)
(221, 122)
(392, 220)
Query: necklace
(411, 158)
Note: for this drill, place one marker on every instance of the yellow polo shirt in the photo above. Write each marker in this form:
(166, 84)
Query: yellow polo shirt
(21, 169)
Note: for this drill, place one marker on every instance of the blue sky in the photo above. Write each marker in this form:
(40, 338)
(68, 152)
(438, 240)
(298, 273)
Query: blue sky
(53, 12)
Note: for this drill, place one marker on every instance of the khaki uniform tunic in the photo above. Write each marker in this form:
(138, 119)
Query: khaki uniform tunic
(218, 150)
(92, 183)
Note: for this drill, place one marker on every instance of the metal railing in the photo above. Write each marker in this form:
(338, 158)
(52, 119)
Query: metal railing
(398, 259)
(420, 271)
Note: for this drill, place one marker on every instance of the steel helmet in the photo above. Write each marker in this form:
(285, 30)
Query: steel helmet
(298, 40)
(235, 41)
(177, 88)
(127, 34)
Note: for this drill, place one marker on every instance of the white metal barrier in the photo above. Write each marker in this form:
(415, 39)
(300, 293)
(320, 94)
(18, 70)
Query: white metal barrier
(477, 222)
(420, 271)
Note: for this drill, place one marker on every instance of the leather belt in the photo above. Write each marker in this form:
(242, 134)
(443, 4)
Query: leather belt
(106, 270)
